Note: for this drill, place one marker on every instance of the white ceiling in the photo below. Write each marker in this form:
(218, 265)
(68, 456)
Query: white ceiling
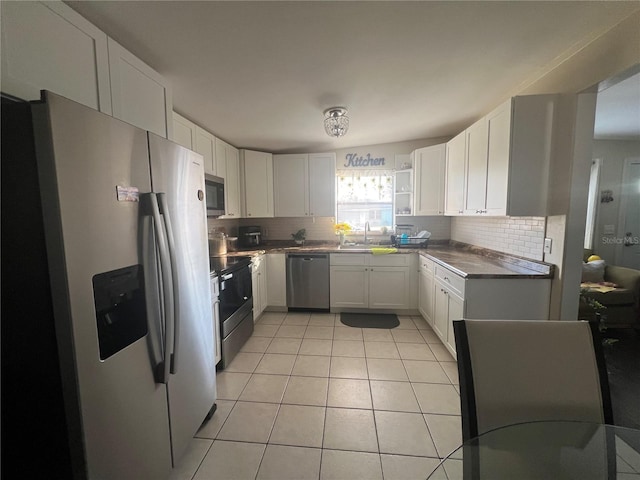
(260, 74)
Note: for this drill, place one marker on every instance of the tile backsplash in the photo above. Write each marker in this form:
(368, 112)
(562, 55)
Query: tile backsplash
(321, 228)
(522, 236)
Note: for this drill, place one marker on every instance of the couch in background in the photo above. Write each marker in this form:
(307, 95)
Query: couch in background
(622, 304)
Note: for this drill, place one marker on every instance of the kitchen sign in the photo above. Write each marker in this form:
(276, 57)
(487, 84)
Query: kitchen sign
(355, 160)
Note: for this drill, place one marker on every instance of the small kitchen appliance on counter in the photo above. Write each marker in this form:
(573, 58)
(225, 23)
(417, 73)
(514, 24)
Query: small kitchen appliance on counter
(249, 237)
(217, 244)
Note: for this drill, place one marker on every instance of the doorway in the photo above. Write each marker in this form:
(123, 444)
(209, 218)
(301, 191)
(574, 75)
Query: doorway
(615, 232)
(628, 254)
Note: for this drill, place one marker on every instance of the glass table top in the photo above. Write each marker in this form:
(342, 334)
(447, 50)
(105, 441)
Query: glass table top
(546, 451)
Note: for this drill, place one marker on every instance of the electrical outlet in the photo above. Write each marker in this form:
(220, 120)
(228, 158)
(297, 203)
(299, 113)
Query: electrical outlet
(547, 245)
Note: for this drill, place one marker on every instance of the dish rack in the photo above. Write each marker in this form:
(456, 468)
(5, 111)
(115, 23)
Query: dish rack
(411, 242)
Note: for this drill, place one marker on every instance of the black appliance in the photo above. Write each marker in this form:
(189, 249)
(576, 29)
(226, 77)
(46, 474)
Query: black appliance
(249, 237)
(236, 303)
(214, 192)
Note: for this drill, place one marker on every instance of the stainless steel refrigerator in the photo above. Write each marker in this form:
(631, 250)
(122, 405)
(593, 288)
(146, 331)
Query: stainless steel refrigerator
(123, 219)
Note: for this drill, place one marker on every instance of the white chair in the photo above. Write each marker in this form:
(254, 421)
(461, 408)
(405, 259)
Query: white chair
(514, 371)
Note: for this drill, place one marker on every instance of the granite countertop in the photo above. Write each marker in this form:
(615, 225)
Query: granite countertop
(465, 260)
(473, 262)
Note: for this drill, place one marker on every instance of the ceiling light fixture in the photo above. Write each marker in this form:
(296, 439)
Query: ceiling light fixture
(336, 121)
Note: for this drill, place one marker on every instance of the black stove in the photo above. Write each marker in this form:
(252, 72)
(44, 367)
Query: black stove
(226, 264)
(235, 302)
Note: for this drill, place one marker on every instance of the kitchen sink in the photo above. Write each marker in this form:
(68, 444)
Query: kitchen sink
(357, 247)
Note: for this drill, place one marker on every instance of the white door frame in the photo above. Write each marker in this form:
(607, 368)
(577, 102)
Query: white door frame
(622, 213)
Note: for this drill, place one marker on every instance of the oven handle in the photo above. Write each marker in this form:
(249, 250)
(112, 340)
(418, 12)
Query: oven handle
(227, 276)
(167, 293)
(174, 284)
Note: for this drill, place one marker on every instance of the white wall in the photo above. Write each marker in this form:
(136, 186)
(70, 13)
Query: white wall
(613, 154)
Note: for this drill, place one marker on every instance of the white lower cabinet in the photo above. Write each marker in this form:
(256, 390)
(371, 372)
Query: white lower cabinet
(445, 296)
(349, 286)
(425, 289)
(259, 285)
(276, 279)
(366, 281)
(448, 307)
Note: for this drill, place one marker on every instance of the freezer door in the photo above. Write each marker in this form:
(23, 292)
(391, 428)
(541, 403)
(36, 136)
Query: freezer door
(178, 173)
(98, 287)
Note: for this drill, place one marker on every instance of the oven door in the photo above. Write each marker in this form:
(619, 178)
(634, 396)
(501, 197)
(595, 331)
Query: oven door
(235, 291)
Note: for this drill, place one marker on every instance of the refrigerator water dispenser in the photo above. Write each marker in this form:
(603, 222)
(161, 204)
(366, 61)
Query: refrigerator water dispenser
(121, 311)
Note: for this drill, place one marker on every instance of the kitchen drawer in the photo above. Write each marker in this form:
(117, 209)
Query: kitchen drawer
(451, 280)
(391, 260)
(426, 265)
(348, 259)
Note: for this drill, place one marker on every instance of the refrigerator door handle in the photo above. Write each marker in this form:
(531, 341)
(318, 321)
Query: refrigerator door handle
(164, 210)
(167, 282)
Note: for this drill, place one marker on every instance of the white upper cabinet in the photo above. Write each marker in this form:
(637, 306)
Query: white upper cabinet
(228, 167)
(48, 46)
(304, 185)
(500, 165)
(476, 168)
(429, 175)
(290, 179)
(139, 95)
(520, 151)
(206, 146)
(257, 180)
(322, 184)
(454, 176)
(184, 131)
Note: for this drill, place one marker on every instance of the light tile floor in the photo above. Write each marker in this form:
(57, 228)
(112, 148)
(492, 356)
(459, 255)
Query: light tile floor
(308, 397)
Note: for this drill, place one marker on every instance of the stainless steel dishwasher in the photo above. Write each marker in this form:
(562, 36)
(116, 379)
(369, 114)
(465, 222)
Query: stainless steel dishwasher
(308, 280)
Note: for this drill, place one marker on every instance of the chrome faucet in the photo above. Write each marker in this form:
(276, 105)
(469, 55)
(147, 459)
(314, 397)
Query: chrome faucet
(367, 227)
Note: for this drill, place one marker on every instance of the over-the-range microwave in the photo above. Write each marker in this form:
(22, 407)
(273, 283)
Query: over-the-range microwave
(214, 191)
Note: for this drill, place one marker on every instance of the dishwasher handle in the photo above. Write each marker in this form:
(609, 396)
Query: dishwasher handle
(307, 257)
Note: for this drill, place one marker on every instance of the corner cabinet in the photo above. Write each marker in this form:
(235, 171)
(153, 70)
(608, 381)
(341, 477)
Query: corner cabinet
(304, 185)
(429, 175)
(228, 167)
(256, 169)
(139, 95)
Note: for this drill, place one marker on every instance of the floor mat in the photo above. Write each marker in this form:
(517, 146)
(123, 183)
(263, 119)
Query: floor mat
(370, 320)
